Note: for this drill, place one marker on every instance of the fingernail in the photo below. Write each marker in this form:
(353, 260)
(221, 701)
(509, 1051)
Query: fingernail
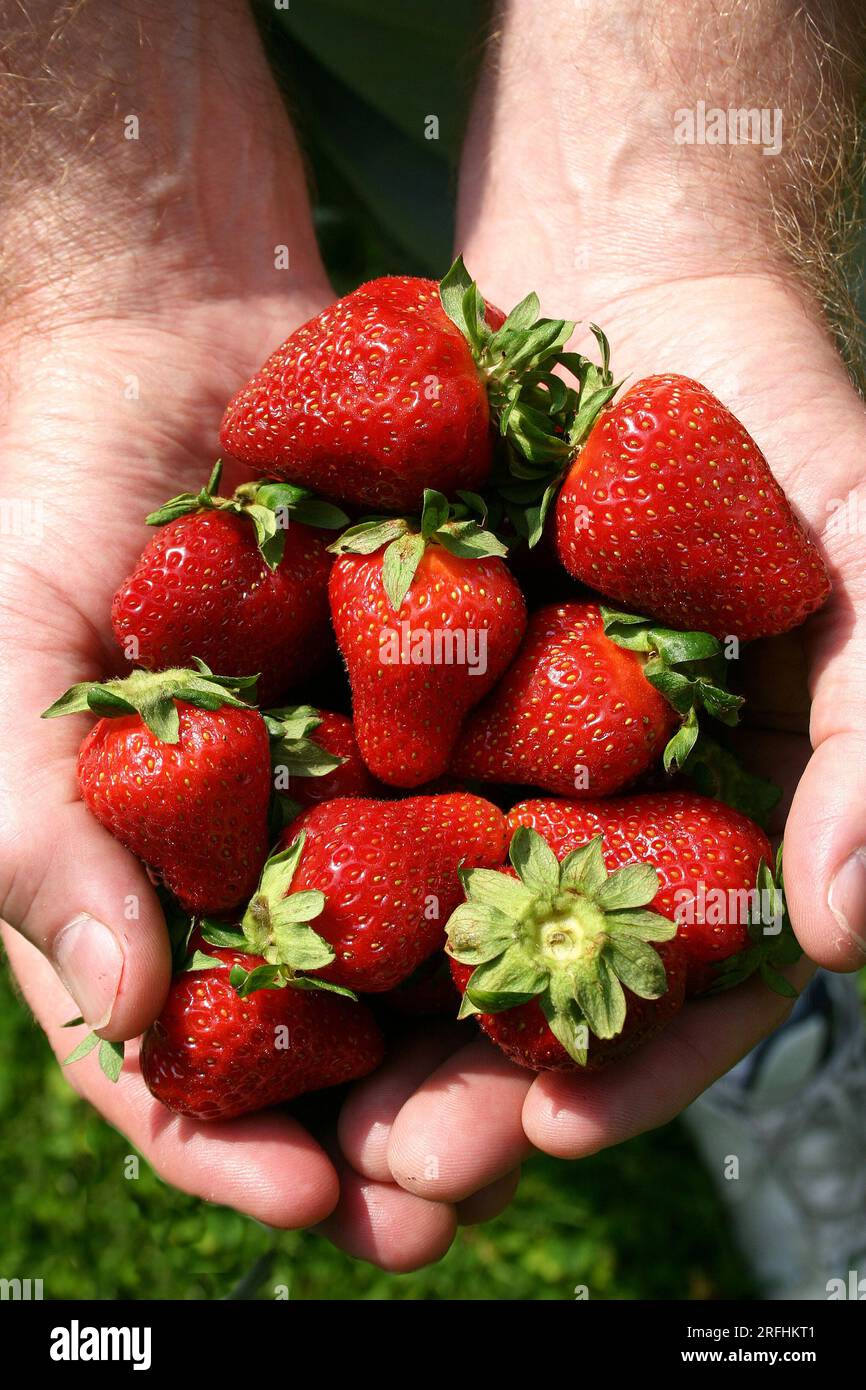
(89, 961)
(847, 897)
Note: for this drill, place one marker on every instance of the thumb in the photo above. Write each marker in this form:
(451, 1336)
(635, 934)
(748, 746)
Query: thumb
(77, 894)
(825, 838)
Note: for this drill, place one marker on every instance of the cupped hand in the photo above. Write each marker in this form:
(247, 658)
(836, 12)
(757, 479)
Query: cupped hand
(752, 340)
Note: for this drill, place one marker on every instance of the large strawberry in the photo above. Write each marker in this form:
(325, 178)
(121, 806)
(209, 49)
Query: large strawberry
(239, 581)
(388, 873)
(708, 859)
(315, 756)
(427, 617)
(591, 948)
(670, 507)
(591, 700)
(392, 389)
(220, 1049)
(178, 769)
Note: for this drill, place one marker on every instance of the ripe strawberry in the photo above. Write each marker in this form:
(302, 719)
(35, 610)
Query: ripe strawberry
(707, 857)
(391, 389)
(240, 582)
(388, 873)
(590, 702)
(315, 756)
(179, 771)
(216, 1053)
(426, 627)
(671, 507)
(524, 1034)
(564, 972)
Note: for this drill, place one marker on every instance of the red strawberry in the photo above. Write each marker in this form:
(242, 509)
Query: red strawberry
(216, 1053)
(524, 1035)
(315, 755)
(706, 855)
(386, 392)
(388, 872)
(590, 702)
(670, 507)
(574, 713)
(426, 629)
(240, 582)
(179, 772)
(564, 972)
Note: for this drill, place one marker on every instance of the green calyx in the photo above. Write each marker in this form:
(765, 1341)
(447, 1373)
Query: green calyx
(540, 416)
(293, 750)
(275, 926)
(688, 668)
(772, 943)
(152, 695)
(270, 506)
(459, 527)
(110, 1054)
(570, 935)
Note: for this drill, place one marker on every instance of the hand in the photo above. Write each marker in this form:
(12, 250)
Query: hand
(674, 250)
(147, 292)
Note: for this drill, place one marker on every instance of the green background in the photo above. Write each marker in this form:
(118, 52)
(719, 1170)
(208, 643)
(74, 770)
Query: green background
(637, 1222)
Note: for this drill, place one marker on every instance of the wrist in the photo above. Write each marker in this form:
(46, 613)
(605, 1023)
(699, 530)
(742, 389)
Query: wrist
(655, 141)
(168, 163)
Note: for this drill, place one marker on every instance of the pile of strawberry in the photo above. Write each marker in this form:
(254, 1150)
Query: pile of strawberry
(320, 868)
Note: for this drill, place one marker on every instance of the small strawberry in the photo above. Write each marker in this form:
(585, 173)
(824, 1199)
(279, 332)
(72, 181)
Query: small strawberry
(427, 619)
(388, 873)
(670, 507)
(239, 581)
(178, 770)
(593, 699)
(219, 1049)
(315, 756)
(392, 389)
(564, 972)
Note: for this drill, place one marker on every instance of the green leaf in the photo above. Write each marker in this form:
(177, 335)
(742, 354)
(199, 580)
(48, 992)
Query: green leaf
(536, 864)
(452, 292)
(366, 537)
(634, 885)
(477, 933)
(568, 1026)
(583, 870)
(491, 888)
(637, 966)
(513, 974)
(600, 998)
(468, 541)
(399, 565)
(299, 947)
(679, 747)
(84, 1047)
(111, 1059)
(435, 512)
(644, 925)
(200, 961)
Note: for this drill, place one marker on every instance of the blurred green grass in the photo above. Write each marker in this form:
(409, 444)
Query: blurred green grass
(638, 1222)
